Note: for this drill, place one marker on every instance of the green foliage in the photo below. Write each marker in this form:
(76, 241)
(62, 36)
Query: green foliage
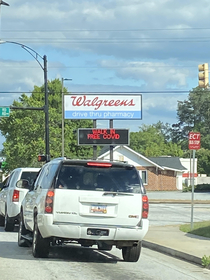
(205, 261)
(154, 140)
(197, 188)
(24, 130)
(202, 188)
(187, 188)
(194, 115)
(203, 161)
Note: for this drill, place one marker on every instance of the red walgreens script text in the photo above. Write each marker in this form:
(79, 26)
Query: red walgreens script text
(97, 103)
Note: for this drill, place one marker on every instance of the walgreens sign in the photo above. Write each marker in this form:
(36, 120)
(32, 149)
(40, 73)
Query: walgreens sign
(100, 106)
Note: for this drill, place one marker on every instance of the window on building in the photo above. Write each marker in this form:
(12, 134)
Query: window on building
(144, 176)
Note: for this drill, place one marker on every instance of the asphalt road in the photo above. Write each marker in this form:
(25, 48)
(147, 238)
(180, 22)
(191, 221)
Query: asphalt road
(76, 263)
(173, 214)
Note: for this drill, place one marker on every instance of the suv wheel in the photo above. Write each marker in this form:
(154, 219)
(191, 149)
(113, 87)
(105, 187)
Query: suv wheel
(40, 245)
(22, 231)
(131, 254)
(1, 220)
(9, 224)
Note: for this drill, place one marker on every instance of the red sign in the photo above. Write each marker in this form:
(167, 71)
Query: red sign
(188, 175)
(194, 140)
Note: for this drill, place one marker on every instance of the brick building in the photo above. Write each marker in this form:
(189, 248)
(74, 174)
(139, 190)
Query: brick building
(157, 173)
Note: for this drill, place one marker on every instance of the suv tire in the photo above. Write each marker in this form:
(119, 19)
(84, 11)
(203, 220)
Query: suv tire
(40, 245)
(22, 231)
(131, 254)
(9, 224)
(2, 220)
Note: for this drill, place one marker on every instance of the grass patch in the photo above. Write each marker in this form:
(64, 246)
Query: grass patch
(199, 228)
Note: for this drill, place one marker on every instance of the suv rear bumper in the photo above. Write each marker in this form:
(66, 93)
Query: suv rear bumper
(76, 231)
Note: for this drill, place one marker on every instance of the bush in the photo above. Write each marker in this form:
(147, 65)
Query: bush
(202, 188)
(205, 261)
(197, 188)
(187, 189)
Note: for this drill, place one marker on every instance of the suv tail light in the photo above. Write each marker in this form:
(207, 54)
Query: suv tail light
(99, 164)
(15, 196)
(49, 202)
(145, 207)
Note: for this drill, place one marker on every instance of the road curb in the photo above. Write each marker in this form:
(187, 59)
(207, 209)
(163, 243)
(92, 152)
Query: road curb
(171, 252)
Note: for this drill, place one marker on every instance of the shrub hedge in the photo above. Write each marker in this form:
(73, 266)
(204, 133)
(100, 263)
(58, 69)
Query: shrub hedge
(197, 188)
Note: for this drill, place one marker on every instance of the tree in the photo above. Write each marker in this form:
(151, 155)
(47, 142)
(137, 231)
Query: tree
(194, 115)
(154, 140)
(203, 160)
(24, 130)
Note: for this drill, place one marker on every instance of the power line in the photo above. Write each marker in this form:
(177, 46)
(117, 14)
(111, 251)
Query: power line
(102, 67)
(105, 30)
(112, 40)
(105, 92)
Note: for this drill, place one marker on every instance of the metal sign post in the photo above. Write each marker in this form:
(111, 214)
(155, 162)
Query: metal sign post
(193, 187)
(194, 144)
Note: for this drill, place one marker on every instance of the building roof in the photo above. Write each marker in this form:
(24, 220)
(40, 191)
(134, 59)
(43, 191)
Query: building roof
(168, 162)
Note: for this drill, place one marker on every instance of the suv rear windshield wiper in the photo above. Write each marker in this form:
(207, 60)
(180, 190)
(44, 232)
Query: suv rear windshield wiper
(117, 193)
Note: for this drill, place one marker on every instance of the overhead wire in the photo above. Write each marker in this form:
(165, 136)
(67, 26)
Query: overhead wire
(106, 92)
(105, 30)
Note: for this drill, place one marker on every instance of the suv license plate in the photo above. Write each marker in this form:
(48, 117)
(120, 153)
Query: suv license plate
(98, 231)
(100, 209)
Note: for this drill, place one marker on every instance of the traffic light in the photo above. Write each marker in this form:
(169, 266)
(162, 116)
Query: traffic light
(3, 164)
(203, 75)
(41, 158)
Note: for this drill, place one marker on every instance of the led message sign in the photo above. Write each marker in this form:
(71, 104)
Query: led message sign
(96, 136)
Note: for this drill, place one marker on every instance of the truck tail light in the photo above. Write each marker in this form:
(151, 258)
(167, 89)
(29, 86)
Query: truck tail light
(49, 202)
(99, 164)
(15, 196)
(145, 207)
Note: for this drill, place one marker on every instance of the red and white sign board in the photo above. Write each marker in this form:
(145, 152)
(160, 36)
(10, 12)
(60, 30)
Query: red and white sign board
(103, 106)
(194, 140)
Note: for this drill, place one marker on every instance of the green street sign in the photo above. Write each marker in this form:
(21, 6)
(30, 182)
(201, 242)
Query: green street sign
(4, 111)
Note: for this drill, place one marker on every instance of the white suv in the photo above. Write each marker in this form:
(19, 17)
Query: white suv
(11, 196)
(88, 202)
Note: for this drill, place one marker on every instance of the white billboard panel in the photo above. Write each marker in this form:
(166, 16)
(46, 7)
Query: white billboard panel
(101, 106)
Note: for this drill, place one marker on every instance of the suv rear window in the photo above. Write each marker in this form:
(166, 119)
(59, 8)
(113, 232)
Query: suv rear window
(29, 175)
(114, 179)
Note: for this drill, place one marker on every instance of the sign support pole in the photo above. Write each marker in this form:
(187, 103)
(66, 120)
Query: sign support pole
(194, 144)
(192, 202)
(111, 147)
(94, 146)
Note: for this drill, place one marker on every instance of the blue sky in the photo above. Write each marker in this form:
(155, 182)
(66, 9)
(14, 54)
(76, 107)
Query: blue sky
(151, 47)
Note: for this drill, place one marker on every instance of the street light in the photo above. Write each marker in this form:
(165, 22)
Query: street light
(63, 79)
(36, 56)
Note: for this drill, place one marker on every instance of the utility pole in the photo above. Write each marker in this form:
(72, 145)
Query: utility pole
(62, 80)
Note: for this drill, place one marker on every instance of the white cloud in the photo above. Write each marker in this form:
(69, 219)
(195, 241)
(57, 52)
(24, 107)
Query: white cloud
(157, 75)
(108, 45)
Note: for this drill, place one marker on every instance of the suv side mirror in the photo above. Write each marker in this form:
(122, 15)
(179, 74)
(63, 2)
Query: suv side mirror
(23, 184)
